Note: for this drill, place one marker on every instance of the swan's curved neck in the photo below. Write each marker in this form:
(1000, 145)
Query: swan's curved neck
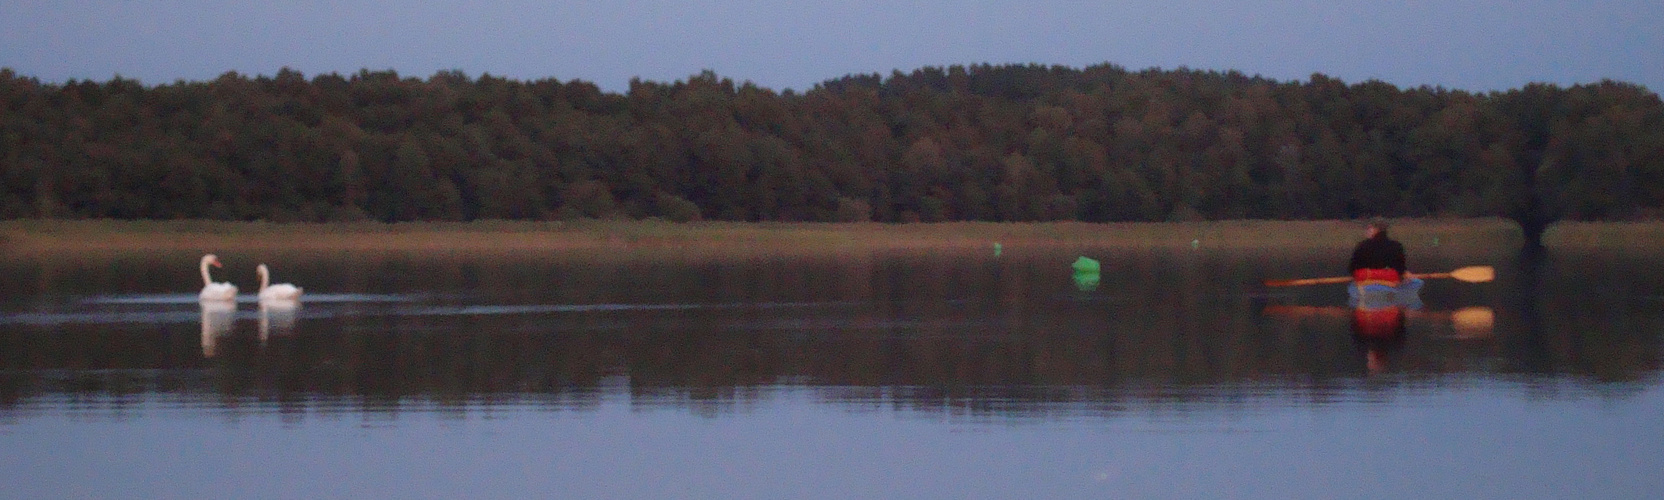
(205, 280)
(265, 278)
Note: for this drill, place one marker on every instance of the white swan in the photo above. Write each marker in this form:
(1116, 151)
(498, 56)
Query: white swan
(215, 291)
(279, 292)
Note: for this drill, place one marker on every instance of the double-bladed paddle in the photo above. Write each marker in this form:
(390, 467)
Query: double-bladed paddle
(1470, 274)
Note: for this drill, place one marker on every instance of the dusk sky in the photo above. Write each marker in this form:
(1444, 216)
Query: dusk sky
(1476, 45)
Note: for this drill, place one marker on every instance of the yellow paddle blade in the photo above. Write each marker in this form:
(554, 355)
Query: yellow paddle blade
(1475, 274)
(1470, 274)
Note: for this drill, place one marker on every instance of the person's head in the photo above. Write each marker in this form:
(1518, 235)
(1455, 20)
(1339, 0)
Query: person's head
(1377, 227)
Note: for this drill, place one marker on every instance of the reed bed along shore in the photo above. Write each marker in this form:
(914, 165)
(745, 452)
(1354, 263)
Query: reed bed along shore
(53, 236)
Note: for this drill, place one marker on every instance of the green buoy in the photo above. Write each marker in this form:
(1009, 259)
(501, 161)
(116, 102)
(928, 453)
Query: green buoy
(1087, 274)
(996, 249)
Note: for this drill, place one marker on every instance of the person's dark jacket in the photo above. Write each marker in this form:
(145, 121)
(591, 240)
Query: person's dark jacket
(1376, 253)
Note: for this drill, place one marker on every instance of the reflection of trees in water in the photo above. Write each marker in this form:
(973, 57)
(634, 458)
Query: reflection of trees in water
(999, 336)
(1583, 319)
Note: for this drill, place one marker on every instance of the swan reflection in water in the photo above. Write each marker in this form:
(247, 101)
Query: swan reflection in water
(217, 317)
(277, 316)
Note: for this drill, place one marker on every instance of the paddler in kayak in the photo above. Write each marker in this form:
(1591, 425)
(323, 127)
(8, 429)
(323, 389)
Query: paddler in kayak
(1377, 325)
(1378, 259)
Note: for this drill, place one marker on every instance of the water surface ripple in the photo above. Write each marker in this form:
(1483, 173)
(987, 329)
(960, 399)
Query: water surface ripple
(959, 375)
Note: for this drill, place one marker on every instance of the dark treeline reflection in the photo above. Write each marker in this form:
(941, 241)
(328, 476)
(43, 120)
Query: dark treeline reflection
(1010, 335)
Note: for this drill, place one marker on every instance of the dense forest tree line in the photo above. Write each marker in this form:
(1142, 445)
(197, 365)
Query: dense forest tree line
(984, 142)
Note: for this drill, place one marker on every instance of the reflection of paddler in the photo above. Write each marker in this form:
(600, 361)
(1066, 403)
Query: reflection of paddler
(1385, 322)
(1378, 332)
(1472, 322)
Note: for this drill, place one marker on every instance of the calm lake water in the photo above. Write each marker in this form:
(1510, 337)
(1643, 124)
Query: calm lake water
(889, 375)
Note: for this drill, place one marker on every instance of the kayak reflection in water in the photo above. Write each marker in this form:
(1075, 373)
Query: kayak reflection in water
(1378, 332)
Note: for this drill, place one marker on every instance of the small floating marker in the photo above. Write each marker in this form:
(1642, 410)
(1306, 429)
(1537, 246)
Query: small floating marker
(1086, 274)
(1435, 241)
(1195, 243)
(996, 249)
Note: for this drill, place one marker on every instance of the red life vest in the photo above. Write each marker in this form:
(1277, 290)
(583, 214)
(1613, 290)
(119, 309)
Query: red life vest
(1378, 276)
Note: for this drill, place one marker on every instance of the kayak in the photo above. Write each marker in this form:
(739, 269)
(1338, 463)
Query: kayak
(1405, 294)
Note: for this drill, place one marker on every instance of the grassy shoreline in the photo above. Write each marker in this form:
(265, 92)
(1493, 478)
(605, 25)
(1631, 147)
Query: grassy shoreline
(55, 236)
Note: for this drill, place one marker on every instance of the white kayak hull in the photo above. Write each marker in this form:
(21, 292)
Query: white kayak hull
(1375, 296)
